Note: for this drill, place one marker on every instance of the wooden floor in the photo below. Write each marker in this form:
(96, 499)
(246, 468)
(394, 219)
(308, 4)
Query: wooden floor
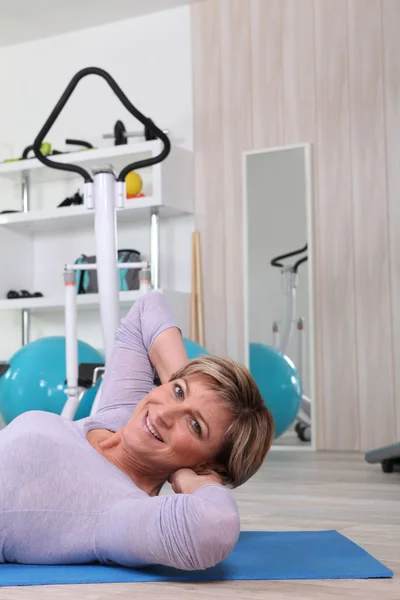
(295, 490)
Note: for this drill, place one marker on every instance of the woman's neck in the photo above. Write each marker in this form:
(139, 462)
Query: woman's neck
(109, 445)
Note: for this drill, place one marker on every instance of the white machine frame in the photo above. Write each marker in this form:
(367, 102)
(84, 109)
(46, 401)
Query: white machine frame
(290, 279)
(104, 193)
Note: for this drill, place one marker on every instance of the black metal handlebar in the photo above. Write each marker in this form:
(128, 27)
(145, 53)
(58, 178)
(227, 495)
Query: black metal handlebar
(299, 262)
(275, 262)
(128, 105)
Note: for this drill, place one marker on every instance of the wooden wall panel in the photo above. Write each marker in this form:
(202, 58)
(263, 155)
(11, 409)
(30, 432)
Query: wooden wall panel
(298, 71)
(209, 188)
(237, 136)
(266, 72)
(391, 72)
(339, 423)
(273, 72)
(371, 244)
(299, 126)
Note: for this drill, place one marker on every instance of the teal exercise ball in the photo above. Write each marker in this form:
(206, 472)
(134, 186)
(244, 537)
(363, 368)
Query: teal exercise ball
(193, 349)
(278, 382)
(35, 379)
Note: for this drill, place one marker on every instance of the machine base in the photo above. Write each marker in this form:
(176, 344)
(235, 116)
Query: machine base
(388, 456)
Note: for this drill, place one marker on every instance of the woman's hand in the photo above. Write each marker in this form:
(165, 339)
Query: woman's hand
(186, 481)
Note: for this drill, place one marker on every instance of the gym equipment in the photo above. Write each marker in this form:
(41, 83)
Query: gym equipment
(51, 152)
(193, 349)
(258, 555)
(289, 273)
(278, 382)
(35, 378)
(388, 456)
(47, 150)
(290, 277)
(128, 279)
(134, 184)
(120, 135)
(104, 193)
(13, 295)
(75, 200)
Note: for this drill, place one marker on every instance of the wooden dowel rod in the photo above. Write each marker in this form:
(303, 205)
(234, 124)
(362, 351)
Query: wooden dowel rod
(193, 297)
(199, 291)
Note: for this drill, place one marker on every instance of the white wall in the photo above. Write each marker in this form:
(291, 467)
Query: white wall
(276, 224)
(150, 58)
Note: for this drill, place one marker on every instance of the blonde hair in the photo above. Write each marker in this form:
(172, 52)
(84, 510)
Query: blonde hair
(251, 432)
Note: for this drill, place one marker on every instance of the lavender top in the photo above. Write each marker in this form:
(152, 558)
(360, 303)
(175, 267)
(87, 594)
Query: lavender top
(62, 502)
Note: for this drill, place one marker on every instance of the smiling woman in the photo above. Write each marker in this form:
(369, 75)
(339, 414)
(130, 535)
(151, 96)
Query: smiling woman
(84, 491)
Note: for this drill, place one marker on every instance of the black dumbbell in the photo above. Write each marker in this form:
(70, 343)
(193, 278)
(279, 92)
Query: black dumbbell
(121, 136)
(13, 295)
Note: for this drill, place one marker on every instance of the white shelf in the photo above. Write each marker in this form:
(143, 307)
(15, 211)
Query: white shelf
(84, 301)
(115, 156)
(73, 217)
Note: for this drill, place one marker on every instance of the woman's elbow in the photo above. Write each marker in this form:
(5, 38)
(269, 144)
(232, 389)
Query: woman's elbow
(216, 543)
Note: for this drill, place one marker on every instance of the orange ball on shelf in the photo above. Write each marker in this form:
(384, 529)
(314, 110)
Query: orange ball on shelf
(134, 184)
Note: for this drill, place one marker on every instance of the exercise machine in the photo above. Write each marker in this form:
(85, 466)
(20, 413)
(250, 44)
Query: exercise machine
(104, 194)
(289, 272)
(388, 456)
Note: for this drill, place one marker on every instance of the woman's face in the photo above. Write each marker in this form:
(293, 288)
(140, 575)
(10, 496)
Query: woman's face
(179, 424)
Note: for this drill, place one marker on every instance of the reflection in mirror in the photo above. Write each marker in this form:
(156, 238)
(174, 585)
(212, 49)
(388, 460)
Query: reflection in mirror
(277, 287)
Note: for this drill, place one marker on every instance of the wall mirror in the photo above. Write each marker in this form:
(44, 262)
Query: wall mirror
(278, 282)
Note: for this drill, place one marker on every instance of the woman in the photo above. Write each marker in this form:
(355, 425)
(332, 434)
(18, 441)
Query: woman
(87, 491)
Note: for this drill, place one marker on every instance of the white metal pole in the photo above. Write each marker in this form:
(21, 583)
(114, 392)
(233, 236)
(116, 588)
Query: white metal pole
(26, 326)
(105, 225)
(71, 346)
(305, 411)
(155, 248)
(26, 205)
(88, 196)
(300, 347)
(93, 266)
(120, 194)
(290, 295)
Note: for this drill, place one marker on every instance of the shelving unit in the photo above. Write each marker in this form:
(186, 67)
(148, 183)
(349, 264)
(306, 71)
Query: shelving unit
(61, 219)
(98, 157)
(84, 301)
(168, 195)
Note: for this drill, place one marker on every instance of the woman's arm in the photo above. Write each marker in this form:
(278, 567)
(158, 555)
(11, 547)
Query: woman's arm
(149, 329)
(185, 531)
(168, 353)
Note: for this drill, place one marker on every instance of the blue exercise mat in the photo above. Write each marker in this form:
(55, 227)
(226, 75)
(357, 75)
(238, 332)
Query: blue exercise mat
(258, 555)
